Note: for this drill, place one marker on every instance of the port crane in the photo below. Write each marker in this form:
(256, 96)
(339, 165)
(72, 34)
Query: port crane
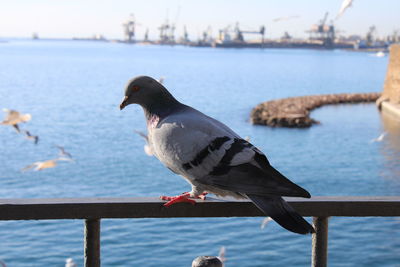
(370, 35)
(129, 29)
(323, 32)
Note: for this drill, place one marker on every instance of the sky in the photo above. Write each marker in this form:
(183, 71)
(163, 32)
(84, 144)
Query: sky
(85, 18)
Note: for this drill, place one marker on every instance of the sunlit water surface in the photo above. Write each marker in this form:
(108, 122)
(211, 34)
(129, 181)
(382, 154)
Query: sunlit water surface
(73, 89)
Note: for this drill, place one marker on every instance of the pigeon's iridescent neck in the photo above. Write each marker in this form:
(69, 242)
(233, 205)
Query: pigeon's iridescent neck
(155, 114)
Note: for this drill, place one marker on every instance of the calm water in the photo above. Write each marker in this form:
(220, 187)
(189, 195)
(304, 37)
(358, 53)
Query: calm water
(73, 89)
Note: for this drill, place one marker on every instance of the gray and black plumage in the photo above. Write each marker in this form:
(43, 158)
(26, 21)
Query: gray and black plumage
(212, 157)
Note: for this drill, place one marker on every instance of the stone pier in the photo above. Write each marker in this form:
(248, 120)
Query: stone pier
(295, 111)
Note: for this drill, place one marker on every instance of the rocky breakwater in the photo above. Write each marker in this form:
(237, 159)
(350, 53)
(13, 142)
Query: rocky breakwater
(295, 111)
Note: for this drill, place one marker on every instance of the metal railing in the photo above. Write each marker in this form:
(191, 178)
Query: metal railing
(92, 210)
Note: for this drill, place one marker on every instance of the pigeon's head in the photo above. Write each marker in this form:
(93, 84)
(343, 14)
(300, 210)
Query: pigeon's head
(145, 91)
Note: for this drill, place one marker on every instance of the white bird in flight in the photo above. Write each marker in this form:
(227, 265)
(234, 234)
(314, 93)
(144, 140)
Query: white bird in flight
(345, 5)
(51, 163)
(285, 18)
(147, 148)
(13, 118)
(379, 138)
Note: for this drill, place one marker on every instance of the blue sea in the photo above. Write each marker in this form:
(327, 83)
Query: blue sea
(73, 89)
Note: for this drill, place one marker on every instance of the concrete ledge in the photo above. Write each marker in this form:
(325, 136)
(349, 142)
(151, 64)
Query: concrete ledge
(391, 108)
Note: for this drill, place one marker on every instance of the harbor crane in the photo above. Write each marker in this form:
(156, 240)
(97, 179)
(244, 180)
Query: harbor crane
(370, 35)
(323, 32)
(167, 33)
(129, 29)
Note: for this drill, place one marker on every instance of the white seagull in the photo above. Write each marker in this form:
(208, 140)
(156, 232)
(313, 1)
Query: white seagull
(13, 117)
(379, 138)
(345, 5)
(70, 263)
(147, 148)
(29, 136)
(212, 157)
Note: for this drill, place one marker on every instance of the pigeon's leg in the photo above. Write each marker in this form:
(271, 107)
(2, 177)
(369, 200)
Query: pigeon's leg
(185, 197)
(182, 198)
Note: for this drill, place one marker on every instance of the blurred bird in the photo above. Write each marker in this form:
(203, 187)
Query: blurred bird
(161, 79)
(41, 165)
(13, 117)
(285, 18)
(33, 138)
(2, 264)
(265, 222)
(212, 157)
(147, 147)
(345, 5)
(70, 263)
(63, 153)
(51, 163)
(379, 138)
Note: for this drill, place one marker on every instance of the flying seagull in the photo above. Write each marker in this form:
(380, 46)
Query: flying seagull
(147, 148)
(345, 5)
(379, 138)
(13, 117)
(212, 157)
(29, 136)
(285, 18)
(51, 163)
(63, 153)
(41, 165)
(265, 221)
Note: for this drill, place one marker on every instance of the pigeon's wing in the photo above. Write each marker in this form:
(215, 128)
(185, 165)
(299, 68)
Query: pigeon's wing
(245, 169)
(197, 146)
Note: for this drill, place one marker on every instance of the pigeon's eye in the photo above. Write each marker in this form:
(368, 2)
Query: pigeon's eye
(135, 88)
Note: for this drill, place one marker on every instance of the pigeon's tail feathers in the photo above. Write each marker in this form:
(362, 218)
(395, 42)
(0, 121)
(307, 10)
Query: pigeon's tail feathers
(279, 210)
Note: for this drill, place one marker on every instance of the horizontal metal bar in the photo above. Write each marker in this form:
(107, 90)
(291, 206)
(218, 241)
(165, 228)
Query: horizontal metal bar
(151, 207)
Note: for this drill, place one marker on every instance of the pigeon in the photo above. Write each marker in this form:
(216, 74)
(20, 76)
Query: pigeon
(211, 156)
(207, 261)
(13, 117)
(34, 138)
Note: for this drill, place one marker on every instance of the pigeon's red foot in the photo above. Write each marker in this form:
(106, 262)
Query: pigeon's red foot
(185, 197)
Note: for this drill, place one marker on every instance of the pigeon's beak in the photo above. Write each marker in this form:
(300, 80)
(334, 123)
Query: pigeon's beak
(123, 103)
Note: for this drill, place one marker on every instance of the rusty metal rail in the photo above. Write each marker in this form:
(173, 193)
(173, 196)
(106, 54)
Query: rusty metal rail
(92, 210)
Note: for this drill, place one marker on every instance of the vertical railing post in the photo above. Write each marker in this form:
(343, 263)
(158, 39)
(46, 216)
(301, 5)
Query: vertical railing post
(92, 243)
(320, 242)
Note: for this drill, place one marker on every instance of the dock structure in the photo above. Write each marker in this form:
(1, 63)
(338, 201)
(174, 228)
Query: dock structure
(295, 111)
(389, 102)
